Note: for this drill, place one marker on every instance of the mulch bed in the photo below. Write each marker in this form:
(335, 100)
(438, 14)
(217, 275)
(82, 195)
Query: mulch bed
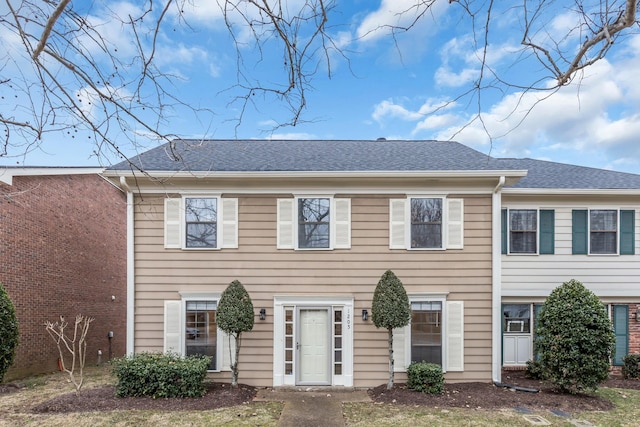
(218, 395)
(489, 396)
(462, 395)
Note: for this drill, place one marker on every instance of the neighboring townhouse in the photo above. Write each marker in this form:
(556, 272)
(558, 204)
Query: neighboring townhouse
(309, 227)
(63, 252)
(565, 222)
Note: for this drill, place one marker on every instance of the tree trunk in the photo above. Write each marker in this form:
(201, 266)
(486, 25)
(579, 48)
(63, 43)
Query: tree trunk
(390, 384)
(234, 364)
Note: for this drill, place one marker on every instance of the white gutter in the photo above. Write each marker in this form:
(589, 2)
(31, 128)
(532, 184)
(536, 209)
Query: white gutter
(8, 173)
(130, 269)
(574, 191)
(321, 174)
(496, 297)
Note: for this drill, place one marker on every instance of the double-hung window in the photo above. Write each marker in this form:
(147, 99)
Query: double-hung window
(603, 231)
(201, 331)
(426, 332)
(313, 222)
(434, 223)
(435, 333)
(200, 222)
(314, 225)
(426, 223)
(523, 231)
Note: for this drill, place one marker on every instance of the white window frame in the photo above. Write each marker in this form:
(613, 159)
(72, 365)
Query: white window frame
(442, 299)
(537, 241)
(617, 244)
(338, 239)
(175, 235)
(222, 341)
(400, 228)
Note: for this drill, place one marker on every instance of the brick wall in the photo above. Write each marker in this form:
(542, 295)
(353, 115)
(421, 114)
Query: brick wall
(634, 329)
(63, 252)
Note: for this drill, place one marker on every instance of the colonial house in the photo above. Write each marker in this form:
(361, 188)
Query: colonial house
(62, 253)
(309, 227)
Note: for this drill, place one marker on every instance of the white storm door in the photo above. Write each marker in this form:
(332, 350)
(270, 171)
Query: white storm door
(314, 351)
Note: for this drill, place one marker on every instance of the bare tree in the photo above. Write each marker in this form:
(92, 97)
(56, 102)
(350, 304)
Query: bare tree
(75, 346)
(67, 75)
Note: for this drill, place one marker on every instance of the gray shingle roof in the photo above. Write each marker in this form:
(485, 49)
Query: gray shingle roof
(363, 156)
(545, 174)
(310, 155)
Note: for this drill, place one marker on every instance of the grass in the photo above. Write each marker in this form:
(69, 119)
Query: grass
(15, 411)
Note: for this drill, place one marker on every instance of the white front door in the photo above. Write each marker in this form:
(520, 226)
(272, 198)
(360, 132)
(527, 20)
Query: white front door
(314, 351)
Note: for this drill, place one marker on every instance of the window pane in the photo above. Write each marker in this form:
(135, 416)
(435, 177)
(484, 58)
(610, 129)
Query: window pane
(522, 242)
(201, 330)
(604, 220)
(603, 243)
(516, 318)
(201, 228)
(426, 223)
(201, 235)
(426, 332)
(313, 223)
(200, 210)
(523, 219)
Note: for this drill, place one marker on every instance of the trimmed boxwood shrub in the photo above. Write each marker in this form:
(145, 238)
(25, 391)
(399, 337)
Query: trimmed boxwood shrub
(575, 339)
(8, 332)
(425, 377)
(160, 375)
(631, 367)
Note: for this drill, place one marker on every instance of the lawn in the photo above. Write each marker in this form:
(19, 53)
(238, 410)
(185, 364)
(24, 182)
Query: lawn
(15, 410)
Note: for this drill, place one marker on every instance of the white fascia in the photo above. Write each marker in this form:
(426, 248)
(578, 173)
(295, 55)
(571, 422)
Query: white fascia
(7, 173)
(572, 191)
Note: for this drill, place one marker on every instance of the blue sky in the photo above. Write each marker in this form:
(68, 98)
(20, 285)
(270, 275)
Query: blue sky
(397, 88)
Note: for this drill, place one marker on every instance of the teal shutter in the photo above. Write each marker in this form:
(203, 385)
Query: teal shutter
(621, 330)
(547, 231)
(627, 238)
(504, 225)
(580, 233)
(537, 308)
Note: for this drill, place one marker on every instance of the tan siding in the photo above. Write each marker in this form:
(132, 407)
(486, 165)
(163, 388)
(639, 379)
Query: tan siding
(265, 271)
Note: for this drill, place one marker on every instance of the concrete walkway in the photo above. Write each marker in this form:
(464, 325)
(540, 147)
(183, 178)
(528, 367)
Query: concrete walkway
(311, 407)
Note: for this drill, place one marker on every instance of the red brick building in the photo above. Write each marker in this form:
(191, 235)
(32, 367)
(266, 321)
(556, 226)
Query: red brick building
(63, 252)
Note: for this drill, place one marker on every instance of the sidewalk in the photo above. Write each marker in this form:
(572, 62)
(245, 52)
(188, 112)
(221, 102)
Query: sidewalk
(311, 408)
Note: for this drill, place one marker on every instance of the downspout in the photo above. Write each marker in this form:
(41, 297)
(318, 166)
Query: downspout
(130, 269)
(496, 257)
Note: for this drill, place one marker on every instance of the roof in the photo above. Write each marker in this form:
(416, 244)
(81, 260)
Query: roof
(551, 175)
(332, 156)
(310, 155)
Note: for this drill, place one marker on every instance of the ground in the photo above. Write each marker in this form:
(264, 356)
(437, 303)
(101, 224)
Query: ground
(471, 395)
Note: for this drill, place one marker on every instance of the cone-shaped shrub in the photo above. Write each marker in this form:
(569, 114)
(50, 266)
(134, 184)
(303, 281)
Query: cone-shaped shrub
(390, 310)
(235, 316)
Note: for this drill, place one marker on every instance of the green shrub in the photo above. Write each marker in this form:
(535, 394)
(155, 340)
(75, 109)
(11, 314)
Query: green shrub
(534, 370)
(160, 375)
(235, 316)
(631, 367)
(575, 339)
(425, 377)
(390, 309)
(8, 332)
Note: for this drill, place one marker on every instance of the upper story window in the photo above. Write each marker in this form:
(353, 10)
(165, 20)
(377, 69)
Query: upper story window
(314, 215)
(603, 231)
(319, 223)
(426, 223)
(206, 222)
(201, 222)
(523, 231)
(528, 231)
